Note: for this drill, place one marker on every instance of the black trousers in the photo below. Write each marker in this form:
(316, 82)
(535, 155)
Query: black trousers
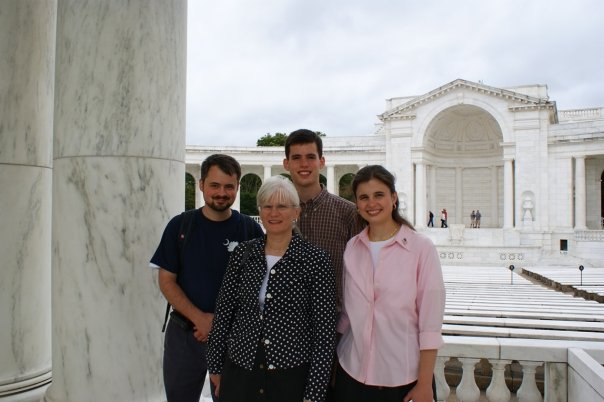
(261, 384)
(185, 364)
(350, 390)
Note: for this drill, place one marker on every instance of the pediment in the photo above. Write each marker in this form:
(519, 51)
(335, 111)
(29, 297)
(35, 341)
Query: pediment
(517, 101)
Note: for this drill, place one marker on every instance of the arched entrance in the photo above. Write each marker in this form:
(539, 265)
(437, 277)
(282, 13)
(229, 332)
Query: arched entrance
(464, 165)
(248, 189)
(345, 186)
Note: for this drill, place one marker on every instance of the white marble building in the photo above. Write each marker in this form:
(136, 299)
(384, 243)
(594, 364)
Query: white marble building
(534, 172)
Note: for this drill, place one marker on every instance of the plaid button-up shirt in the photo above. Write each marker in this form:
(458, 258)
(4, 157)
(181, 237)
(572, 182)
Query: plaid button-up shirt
(329, 221)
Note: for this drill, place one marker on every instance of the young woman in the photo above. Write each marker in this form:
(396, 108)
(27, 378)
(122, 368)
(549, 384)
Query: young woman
(273, 335)
(394, 299)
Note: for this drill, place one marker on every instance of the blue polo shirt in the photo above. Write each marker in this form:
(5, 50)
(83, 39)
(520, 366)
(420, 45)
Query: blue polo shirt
(206, 254)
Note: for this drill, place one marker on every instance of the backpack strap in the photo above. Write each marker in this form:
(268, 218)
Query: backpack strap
(186, 224)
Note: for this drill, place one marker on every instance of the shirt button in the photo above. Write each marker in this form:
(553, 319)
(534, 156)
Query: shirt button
(271, 367)
(267, 342)
(261, 366)
(273, 271)
(261, 391)
(268, 296)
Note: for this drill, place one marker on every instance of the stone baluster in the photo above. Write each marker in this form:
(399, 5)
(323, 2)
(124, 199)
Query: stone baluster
(498, 390)
(467, 390)
(442, 388)
(528, 391)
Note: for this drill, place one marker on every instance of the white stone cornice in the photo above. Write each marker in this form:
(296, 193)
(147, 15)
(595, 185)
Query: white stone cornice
(403, 112)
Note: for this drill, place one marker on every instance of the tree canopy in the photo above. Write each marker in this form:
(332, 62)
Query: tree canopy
(277, 139)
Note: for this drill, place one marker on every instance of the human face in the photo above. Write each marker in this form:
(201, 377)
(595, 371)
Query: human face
(304, 164)
(375, 202)
(278, 216)
(219, 189)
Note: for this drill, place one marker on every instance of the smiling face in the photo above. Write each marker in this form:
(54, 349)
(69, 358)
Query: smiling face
(375, 202)
(278, 214)
(219, 189)
(304, 165)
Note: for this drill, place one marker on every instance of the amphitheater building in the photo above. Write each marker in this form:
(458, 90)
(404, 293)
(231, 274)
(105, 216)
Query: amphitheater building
(534, 172)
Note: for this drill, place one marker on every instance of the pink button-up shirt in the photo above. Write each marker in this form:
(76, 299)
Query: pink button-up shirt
(392, 314)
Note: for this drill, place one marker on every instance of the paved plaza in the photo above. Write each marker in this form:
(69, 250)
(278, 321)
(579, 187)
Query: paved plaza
(495, 302)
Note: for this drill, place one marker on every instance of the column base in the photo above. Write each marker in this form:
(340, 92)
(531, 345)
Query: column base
(30, 390)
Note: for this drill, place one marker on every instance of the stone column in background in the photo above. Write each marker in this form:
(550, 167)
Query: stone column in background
(118, 177)
(580, 196)
(508, 194)
(27, 48)
(420, 194)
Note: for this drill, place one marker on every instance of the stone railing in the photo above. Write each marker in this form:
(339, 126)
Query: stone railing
(589, 235)
(580, 114)
(572, 371)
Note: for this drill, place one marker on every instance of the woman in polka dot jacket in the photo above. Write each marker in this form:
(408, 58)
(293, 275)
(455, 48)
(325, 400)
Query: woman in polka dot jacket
(273, 336)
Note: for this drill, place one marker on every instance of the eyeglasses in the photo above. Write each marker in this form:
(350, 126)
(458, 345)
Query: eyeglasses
(278, 207)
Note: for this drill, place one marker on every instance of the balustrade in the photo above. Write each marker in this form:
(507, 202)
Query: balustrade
(507, 355)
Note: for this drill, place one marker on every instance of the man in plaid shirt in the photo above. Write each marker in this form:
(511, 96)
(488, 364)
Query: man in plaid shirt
(326, 220)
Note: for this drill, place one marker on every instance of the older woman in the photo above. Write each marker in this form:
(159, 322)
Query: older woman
(394, 300)
(273, 335)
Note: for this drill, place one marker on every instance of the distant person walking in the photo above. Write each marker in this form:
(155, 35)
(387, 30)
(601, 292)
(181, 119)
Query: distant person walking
(443, 218)
(431, 219)
(478, 216)
(473, 219)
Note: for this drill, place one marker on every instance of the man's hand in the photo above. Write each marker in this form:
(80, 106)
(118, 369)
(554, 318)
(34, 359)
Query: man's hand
(215, 378)
(202, 324)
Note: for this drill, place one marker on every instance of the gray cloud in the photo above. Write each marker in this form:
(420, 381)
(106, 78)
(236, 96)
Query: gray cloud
(278, 65)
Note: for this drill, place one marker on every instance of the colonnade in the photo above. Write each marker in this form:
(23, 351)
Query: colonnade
(92, 158)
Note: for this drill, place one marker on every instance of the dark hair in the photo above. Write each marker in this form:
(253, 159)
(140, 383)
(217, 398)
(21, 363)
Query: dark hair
(303, 136)
(226, 163)
(380, 173)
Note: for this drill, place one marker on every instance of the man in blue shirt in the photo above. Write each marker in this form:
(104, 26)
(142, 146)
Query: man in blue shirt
(190, 281)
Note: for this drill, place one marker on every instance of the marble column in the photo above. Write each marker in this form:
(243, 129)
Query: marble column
(580, 208)
(508, 194)
(458, 196)
(119, 153)
(27, 47)
(433, 192)
(420, 195)
(494, 199)
(267, 172)
(331, 185)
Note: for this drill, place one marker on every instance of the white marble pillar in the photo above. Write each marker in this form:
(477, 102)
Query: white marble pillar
(331, 179)
(267, 172)
(199, 201)
(458, 196)
(420, 195)
(580, 208)
(27, 47)
(433, 192)
(508, 194)
(494, 199)
(118, 177)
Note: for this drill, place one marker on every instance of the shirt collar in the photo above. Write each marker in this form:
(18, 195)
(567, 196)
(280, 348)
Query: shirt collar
(402, 237)
(317, 200)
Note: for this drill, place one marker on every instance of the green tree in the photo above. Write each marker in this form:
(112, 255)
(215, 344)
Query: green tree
(346, 187)
(189, 191)
(248, 189)
(277, 139)
(270, 140)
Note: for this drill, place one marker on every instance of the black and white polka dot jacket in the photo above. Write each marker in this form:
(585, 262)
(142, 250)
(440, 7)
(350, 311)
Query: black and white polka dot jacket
(297, 325)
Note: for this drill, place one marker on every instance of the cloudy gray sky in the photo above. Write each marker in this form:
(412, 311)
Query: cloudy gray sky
(266, 66)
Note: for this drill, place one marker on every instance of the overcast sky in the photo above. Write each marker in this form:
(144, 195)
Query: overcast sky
(266, 66)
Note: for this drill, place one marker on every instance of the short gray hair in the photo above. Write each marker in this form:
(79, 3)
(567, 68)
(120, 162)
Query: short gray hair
(278, 186)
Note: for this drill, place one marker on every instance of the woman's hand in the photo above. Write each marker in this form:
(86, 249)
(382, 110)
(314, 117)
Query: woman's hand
(215, 378)
(420, 393)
